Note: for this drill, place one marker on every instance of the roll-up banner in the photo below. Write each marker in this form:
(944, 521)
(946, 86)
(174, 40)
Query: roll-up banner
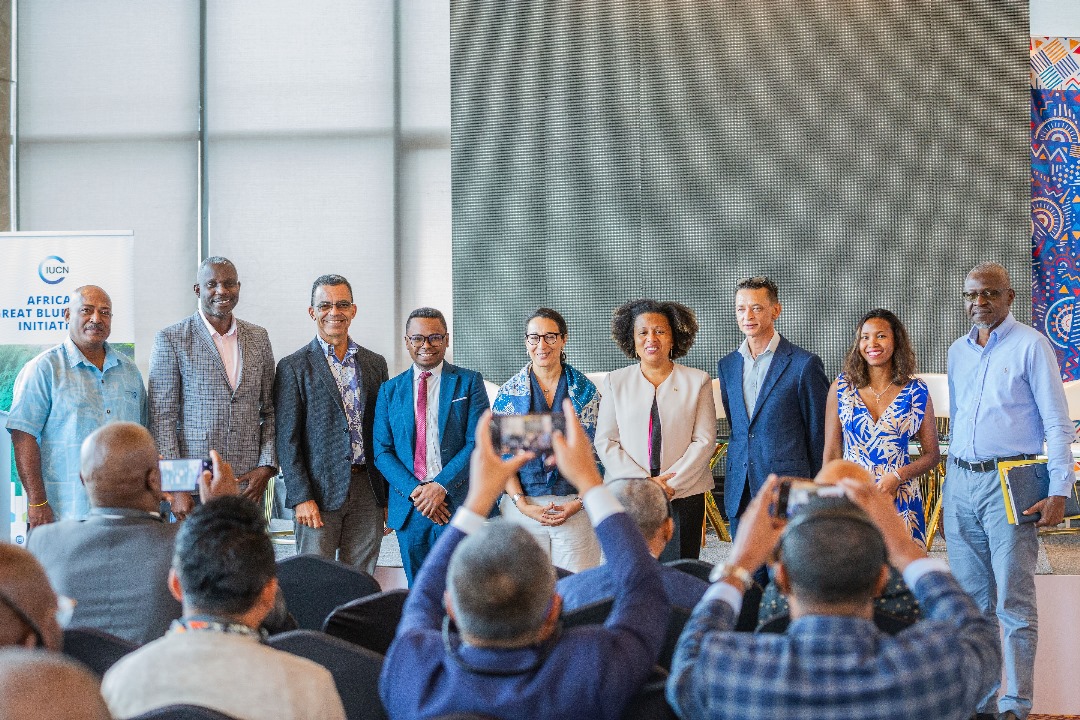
(40, 272)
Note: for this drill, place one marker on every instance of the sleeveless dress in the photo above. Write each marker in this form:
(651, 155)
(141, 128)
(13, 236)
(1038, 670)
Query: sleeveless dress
(882, 447)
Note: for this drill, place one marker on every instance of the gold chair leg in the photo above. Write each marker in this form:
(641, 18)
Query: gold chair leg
(712, 514)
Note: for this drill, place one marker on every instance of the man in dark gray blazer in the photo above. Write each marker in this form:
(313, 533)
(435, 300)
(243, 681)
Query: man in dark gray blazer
(115, 563)
(325, 396)
(211, 386)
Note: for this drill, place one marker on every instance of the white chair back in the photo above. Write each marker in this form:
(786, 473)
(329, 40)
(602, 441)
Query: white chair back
(1072, 396)
(938, 385)
(718, 399)
(597, 379)
(492, 391)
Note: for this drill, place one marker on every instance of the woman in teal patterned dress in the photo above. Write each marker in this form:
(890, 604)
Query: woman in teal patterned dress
(876, 407)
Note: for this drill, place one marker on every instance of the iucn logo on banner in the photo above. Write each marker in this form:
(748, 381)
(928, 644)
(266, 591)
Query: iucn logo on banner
(52, 270)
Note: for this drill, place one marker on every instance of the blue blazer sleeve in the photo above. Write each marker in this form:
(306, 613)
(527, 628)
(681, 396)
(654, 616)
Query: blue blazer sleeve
(812, 396)
(455, 473)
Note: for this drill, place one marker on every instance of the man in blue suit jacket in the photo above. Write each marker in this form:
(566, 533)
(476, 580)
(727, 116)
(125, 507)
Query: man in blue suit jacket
(774, 395)
(438, 404)
(506, 657)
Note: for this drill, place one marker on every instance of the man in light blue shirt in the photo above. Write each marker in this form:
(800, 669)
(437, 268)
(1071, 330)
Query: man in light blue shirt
(1006, 397)
(62, 396)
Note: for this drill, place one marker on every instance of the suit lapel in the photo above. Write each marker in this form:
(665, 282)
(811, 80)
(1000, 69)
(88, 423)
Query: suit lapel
(240, 349)
(736, 401)
(322, 371)
(780, 361)
(447, 390)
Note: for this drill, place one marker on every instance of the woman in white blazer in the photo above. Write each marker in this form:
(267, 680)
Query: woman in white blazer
(657, 418)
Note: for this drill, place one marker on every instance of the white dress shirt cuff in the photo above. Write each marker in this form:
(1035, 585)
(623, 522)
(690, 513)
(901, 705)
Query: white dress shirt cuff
(600, 504)
(726, 592)
(467, 521)
(917, 568)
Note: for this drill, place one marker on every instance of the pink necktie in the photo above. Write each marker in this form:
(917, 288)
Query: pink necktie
(420, 453)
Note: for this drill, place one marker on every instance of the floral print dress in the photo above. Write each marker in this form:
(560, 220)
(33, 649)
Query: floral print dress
(882, 446)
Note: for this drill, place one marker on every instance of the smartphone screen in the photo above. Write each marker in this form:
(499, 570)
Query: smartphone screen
(182, 475)
(514, 433)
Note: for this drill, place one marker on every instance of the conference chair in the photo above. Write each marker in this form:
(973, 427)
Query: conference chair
(314, 586)
(594, 613)
(492, 390)
(369, 622)
(355, 669)
(184, 712)
(649, 704)
(676, 622)
(96, 649)
(692, 566)
(931, 483)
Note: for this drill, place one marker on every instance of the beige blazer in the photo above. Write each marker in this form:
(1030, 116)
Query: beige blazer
(687, 417)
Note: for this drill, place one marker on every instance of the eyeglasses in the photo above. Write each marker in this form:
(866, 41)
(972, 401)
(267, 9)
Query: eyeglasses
(39, 638)
(418, 341)
(534, 338)
(987, 295)
(340, 305)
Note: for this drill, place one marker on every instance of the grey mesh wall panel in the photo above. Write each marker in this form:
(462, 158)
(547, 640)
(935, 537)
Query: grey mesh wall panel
(861, 153)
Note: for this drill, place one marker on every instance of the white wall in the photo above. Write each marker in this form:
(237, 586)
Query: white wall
(1055, 18)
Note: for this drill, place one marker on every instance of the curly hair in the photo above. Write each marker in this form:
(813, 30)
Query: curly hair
(683, 321)
(903, 358)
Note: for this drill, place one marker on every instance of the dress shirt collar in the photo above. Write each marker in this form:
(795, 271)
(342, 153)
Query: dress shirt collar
(996, 335)
(75, 356)
(744, 348)
(213, 331)
(328, 349)
(113, 513)
(436, 372)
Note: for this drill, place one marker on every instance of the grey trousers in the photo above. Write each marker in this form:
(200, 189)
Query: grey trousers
(352, 534)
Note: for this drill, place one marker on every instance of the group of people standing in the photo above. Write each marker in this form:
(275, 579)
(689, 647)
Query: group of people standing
(361, 452)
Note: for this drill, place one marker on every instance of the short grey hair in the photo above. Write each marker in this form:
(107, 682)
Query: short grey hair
(329, 280)
(216, 260)
(995, 269)
(501, 584)
(644, 502)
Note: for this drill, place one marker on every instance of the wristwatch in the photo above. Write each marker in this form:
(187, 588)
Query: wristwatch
(727, 570)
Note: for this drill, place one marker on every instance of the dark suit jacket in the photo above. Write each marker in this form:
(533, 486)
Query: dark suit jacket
(462, 400)
(115, 564)
(591, 672)
(313, 443)
(786, 435)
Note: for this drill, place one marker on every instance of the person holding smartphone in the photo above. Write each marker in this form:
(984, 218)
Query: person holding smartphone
(538, 497)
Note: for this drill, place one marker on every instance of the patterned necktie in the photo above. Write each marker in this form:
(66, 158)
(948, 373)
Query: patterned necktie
(420, 452)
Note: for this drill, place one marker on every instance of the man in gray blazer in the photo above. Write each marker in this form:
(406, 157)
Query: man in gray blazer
(115, 563)
(211, 386)
(325, 395)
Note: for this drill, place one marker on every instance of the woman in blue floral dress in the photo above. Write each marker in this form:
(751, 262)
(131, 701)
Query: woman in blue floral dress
(876, 407)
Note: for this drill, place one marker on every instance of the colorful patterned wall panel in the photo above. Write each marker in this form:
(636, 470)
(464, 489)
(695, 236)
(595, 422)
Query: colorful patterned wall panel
(1055, 196)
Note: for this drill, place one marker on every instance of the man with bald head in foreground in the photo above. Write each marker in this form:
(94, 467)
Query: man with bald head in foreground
(28, 605)
(39, 685)
(115, 563)
(63, 395)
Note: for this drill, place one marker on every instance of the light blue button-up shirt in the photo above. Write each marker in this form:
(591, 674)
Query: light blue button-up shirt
(60, 397)
(1007, 397)
(754, 370)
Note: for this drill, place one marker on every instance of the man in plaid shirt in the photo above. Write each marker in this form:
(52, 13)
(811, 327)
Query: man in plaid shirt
(833, 663)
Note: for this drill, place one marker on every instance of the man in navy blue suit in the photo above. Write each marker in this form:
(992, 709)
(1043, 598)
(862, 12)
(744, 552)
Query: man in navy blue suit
(774, 395)
(425, 422)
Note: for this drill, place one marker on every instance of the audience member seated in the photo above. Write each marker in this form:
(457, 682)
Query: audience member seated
(28, 605)
(115, 562)
(648, 506)
(223, 575)
(895, 601)
(833, 661)
(508, 657)
(41, 685)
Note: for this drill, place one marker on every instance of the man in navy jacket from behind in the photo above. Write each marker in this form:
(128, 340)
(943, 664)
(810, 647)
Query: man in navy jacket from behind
(508, 658)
